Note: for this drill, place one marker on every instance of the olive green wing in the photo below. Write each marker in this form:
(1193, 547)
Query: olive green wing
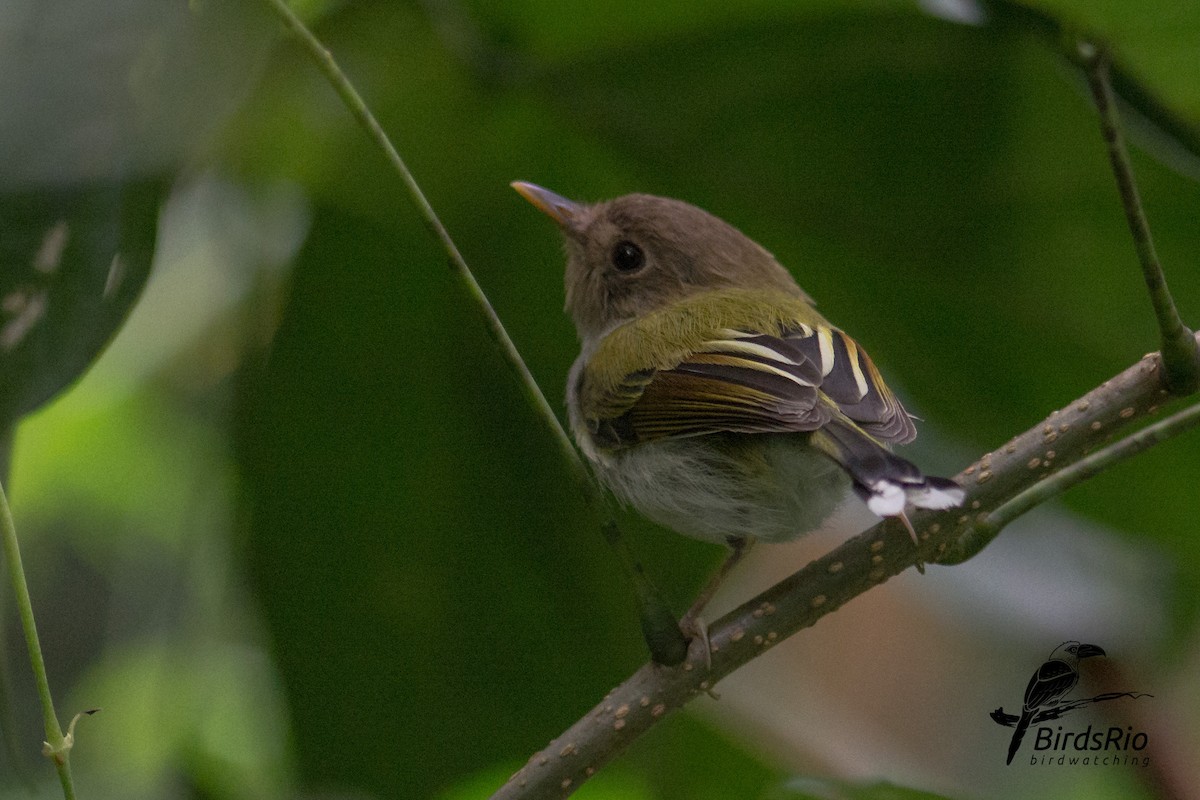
(797, 377)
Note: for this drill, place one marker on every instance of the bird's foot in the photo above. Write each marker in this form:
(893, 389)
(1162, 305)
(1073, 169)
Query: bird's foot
(695, 628)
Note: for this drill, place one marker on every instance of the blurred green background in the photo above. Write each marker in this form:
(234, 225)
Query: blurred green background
(296, 531)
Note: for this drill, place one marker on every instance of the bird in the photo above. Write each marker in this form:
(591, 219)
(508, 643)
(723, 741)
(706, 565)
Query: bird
(1049, 684)
(709, 393)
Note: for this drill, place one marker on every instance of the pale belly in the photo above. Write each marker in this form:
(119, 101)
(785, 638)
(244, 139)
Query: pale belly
(772, 487)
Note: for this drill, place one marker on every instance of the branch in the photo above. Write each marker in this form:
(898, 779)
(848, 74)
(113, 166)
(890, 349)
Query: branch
(1001, 717)
(984, 530)
(1037, 457)
(1181, 356)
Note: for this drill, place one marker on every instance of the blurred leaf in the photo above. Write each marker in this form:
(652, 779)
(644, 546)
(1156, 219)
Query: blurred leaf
(97, 93)
(160, 702)
(1156, 39)
(96, 99)
(72, 264)
(134, 465)
(376, 526)
(817, 789)
(1157, 104)
(614, 784)
(557, 31)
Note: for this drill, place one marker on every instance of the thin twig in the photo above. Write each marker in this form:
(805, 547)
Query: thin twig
(8, 726)
(358, 108)
(1181, 358)
(665, 640)
(57, 747)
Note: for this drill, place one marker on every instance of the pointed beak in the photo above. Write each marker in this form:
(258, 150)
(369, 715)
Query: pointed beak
(563, 211)
(1087, 650)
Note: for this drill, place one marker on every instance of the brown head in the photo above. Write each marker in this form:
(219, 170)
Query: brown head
(637, 253)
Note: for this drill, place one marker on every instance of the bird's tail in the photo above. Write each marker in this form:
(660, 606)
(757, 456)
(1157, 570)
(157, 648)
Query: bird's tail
(1018, 734)
(883, 479)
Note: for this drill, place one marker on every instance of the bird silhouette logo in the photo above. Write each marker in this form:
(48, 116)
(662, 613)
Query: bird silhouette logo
(1046, 699)
(1049, 685)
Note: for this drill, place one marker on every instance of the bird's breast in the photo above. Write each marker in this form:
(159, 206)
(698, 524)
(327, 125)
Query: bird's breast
(773, 487)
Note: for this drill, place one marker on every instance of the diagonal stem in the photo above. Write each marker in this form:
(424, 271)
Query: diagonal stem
(57, 746)
(1181, 359)
(358, 108)
(667, 643)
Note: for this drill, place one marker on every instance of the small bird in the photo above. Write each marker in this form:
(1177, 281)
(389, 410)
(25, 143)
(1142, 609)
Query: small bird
(1049, 684)
(709, 393)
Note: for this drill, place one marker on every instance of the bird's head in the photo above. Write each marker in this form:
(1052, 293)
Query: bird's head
(1076, 651)
(638, 253)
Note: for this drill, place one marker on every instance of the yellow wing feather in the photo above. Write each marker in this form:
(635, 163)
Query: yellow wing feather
(733, 360)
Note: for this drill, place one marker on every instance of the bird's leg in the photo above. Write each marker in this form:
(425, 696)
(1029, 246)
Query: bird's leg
(739, 547)
(691, 623)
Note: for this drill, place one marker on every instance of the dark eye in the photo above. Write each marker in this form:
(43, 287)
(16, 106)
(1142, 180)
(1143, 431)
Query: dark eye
(628, 257)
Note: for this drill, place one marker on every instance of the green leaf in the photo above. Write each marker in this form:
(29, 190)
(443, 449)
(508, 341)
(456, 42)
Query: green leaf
(72, 264)
(1145, 70)
(818, 789)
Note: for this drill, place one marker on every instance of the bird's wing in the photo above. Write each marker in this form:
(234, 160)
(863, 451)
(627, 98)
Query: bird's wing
(772, 375)
(1052, 680)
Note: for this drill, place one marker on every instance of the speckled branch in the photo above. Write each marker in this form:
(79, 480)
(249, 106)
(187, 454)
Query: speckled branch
(1034, 458)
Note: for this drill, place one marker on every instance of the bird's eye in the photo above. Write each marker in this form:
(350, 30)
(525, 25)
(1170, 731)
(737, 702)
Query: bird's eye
(628, 257)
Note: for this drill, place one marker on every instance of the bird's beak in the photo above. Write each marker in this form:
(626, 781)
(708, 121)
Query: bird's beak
(1087, 650)
(563, 211)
